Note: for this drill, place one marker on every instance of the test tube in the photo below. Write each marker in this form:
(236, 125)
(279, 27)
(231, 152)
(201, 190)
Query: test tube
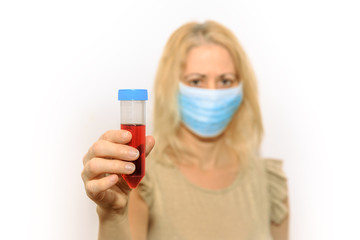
(132, 118)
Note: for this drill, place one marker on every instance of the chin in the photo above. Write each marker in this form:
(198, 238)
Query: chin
(203, 138)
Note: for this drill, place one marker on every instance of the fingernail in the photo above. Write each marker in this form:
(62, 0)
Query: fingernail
(113, 178)
(130, 167)
(133, 153)
(125, 134)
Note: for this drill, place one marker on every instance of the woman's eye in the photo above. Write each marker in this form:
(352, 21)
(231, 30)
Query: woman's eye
(195, 82)
(227, 82)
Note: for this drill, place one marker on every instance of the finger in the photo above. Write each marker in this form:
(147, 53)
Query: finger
(96, 188)
(114, 136)
(98, 166)
(117, 136)
(106, 149)
(150, 142)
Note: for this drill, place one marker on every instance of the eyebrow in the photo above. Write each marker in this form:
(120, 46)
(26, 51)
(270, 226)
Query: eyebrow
(195, 75)
(226, 74)
(204, 75)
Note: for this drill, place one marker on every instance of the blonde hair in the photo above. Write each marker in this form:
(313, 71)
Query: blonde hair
(244, 133)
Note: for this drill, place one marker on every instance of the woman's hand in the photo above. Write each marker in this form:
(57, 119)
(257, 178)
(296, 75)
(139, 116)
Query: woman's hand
(106, 160)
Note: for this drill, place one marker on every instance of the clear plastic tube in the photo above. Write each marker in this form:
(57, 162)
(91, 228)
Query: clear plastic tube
(132, 118)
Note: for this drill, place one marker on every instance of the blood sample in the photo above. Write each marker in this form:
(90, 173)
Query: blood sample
(138, 142)
(132, 118)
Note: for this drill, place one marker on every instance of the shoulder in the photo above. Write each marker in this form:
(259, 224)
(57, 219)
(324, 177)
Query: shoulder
(277, 189)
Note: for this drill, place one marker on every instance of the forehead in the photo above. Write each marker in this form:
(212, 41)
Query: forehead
(209, 58)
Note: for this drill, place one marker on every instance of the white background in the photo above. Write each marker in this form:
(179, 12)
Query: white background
(61, 63)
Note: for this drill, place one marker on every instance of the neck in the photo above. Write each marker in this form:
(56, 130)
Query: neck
(206, 153)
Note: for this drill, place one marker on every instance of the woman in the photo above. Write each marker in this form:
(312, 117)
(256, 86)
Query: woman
(204, 179)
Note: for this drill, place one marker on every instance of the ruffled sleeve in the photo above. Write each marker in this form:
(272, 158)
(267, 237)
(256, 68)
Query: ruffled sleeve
(146, 186)
(277, 187)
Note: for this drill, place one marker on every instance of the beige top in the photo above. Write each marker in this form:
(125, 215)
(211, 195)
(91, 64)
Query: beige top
(183, 211)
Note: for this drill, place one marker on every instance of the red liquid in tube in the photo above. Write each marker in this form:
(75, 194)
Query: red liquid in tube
(138, 142)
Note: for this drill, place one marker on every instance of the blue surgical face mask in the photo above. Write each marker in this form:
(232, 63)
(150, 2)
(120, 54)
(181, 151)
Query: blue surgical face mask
(207, 112)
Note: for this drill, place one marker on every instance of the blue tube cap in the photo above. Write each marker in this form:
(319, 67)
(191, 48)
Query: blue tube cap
(132, 94)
